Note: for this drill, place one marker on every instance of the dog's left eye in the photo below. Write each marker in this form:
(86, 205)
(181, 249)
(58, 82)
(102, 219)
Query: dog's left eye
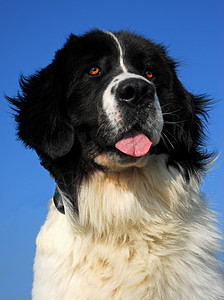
(94, 71)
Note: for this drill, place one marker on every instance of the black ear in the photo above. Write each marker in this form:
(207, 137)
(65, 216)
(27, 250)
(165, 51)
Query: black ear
(41, 113)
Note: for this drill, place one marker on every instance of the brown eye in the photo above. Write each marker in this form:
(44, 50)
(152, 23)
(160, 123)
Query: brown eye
(94, 71)
(148, 74)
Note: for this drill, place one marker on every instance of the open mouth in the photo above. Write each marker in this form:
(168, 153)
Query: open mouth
(134, 143)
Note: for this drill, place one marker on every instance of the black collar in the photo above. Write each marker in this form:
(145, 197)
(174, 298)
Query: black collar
(58, 201)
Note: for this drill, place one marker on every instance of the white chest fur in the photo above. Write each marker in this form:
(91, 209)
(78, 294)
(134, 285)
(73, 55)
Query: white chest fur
(141, 234)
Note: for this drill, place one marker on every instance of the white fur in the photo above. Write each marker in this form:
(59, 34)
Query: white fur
(123, 67)
(142, 233)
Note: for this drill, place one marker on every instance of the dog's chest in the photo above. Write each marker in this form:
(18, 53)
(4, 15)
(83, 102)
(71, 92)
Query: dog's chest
(79, 268)
(104, 271)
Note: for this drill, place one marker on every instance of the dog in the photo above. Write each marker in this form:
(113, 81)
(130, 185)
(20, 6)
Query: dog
(123, 140)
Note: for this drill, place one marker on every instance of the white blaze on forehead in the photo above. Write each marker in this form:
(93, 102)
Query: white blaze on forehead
(127, 75)
(120, 51)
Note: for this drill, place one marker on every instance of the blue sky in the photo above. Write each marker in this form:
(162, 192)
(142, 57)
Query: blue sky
(30, 33)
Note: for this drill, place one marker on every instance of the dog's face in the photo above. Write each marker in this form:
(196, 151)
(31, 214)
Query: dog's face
(112, 99)
(109, 100)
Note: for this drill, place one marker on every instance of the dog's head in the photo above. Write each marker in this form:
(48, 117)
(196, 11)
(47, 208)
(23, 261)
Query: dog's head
(109, 100)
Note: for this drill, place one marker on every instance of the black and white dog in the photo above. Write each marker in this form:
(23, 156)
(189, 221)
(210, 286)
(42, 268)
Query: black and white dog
(123, 140)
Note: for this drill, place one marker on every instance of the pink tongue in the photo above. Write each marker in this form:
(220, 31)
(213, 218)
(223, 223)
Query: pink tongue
(134, 144)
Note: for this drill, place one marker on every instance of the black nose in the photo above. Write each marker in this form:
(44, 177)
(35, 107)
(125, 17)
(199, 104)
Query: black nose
(135, 90)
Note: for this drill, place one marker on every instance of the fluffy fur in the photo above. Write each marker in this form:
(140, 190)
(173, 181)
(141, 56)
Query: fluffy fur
(133, 227)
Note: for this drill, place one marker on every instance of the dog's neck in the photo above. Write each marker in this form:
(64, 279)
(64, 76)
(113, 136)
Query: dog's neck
(115, 203)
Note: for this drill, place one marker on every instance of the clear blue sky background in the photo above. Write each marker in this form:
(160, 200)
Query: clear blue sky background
(30, 33)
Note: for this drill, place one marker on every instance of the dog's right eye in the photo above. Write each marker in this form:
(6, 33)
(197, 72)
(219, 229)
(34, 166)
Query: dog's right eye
(94, 71)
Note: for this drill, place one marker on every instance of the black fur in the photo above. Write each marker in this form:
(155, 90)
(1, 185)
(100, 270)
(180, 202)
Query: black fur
(59, 111)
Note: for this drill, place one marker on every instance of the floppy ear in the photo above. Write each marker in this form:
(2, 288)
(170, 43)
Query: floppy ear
(43, 122)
